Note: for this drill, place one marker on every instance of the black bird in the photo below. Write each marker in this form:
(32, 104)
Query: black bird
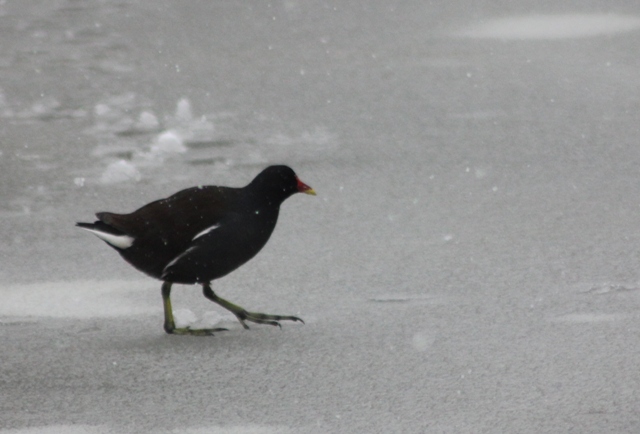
(201, 234)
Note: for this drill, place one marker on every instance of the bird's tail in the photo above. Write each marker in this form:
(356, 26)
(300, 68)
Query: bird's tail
(108, 234)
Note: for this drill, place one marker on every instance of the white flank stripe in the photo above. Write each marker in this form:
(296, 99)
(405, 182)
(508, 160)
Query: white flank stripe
(119, 241)
(177, 258)
(206, 231)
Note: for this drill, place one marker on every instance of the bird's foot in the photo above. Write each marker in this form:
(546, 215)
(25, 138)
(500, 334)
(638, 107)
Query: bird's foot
(263, 318)
(192, 332)
(244, 315)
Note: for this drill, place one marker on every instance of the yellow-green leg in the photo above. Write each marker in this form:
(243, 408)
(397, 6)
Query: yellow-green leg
(169, 323)
(244, 315)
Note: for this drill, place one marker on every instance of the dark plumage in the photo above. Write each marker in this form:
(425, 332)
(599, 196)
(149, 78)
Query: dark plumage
(201, 234)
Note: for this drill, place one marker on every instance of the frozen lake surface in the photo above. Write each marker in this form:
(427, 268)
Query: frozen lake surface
(469, 265)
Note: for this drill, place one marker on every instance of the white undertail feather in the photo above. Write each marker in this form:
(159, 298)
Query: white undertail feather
(119, 241)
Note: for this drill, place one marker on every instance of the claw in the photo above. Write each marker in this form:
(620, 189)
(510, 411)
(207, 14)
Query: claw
(244, 324)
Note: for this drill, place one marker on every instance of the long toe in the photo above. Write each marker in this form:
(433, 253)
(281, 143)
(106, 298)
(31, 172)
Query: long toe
(294, 319)
(195, 332)
(264, 318)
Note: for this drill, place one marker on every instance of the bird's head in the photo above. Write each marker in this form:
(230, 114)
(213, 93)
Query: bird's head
(277, 183)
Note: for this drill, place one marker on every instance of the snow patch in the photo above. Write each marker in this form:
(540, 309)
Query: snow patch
(57, 429)
(88, 429)
(120, 171)
(609, 288)
(579, 318)
(76, 299)
(241, 429)
(422, 341)
(211, 319)
(188, 126)
(145, 142)
(45, 109)
(410, 298)
(169, 142)
(147, 122)
(184, 317)
(184, 113)
(546, 27)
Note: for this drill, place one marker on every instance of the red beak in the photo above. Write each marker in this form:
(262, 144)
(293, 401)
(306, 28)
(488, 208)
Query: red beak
(304, 188)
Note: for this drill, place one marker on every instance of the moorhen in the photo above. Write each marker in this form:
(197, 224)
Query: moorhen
(201, 234)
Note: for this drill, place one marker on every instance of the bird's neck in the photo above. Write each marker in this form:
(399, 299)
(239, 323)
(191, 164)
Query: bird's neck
(266, 198)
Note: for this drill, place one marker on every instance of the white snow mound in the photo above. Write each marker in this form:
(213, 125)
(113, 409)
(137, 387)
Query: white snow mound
(120, 171)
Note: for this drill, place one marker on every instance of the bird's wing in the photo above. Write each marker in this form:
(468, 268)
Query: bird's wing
(182, 215)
